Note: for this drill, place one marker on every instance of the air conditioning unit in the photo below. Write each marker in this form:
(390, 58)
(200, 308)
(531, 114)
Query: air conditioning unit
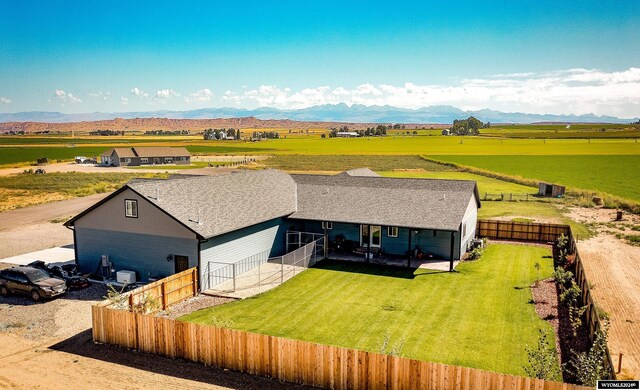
(126, 277)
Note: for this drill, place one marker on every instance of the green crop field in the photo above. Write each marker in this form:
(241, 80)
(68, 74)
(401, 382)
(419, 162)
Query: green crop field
(485, 184)
(337, 163)
(425, 145)
(617, 175)
(477, 317)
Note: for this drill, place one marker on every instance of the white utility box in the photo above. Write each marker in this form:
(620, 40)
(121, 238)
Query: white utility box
(126, 277)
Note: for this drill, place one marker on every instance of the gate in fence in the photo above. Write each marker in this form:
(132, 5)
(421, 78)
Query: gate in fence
(258, 270)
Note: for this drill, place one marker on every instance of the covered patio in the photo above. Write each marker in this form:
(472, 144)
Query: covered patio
(436, 264)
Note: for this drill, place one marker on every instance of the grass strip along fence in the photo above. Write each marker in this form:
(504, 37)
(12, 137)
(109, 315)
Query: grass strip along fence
(296, 361)
(549, 233)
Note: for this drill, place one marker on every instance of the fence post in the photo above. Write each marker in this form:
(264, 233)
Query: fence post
(281, 269)
(619, 363)
(131, 302)
(164, 295)
(234, 276)
(195, 281)
(259, 274)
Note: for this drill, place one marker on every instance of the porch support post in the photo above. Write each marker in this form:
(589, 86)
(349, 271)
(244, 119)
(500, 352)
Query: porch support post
(325, 245)
(368, 242)
(453, 244)
(409, 250)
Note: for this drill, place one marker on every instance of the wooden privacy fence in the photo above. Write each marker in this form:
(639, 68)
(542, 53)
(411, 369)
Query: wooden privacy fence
(294, 361)
(521, 231)
(166, 292)
(546, 233)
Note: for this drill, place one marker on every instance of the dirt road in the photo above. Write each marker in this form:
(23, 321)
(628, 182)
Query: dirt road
(30, 229)
(612, 267)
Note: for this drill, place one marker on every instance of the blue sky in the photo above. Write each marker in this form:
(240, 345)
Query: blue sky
(538, 56)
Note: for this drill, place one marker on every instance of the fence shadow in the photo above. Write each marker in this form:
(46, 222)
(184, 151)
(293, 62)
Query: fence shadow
(82, 344)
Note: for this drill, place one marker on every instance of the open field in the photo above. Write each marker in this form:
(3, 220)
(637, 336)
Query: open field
(478, 317)
(485, 184)
(339, 163)
(22, 190)
(17, 155)
(560, 131)
(390, 145)
(617, 175)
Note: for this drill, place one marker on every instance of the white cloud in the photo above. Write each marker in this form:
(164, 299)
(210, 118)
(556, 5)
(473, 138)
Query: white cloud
(577, 91)
(138, 92)
(4, 100)
(65, 97)
(100, 95)
(200, 96)
(124, 100)
(166, 93)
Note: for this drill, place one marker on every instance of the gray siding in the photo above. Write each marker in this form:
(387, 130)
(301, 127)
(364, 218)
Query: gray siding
(254, 244)
(150, 221)
(143, 253)
(470, 219)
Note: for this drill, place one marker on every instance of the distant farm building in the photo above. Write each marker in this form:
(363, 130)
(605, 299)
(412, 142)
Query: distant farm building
(550, 190)
(347, 134)
(145, 155)
(446, 132)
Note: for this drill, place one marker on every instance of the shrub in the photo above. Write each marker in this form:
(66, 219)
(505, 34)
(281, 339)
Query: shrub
(475, 254)
(542, 359)
(589, 367)
(562, 278)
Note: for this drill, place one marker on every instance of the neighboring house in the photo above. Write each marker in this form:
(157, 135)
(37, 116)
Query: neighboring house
(446, 132)
(157, 227)
(347, 134)
(145, 155)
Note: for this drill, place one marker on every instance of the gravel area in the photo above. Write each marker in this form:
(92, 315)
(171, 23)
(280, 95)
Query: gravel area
(62, 316)
(193, 304)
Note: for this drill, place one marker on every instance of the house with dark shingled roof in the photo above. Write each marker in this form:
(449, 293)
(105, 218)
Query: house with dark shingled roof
(157, 227)
(145, 155)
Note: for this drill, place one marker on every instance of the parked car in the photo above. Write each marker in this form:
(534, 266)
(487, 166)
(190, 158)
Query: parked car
(40, 171)
(34, 282)
(67, 272)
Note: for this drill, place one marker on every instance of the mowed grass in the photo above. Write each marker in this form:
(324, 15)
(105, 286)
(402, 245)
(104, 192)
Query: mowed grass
(480, 316)
(616, 175)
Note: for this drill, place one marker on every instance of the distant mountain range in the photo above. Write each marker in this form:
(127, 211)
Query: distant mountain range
(324, 113)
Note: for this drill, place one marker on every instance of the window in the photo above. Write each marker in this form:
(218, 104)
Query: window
(131, 208)
(144, 160)
(168, 160)
(464, 230)
(392, 231)
(127, 160)
(327, 225)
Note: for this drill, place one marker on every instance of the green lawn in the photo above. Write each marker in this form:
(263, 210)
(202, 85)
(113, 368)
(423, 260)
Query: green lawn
(480, 316)
(616, 175)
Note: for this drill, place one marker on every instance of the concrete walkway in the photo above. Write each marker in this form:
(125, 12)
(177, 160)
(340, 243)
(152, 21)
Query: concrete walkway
(61, 254)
